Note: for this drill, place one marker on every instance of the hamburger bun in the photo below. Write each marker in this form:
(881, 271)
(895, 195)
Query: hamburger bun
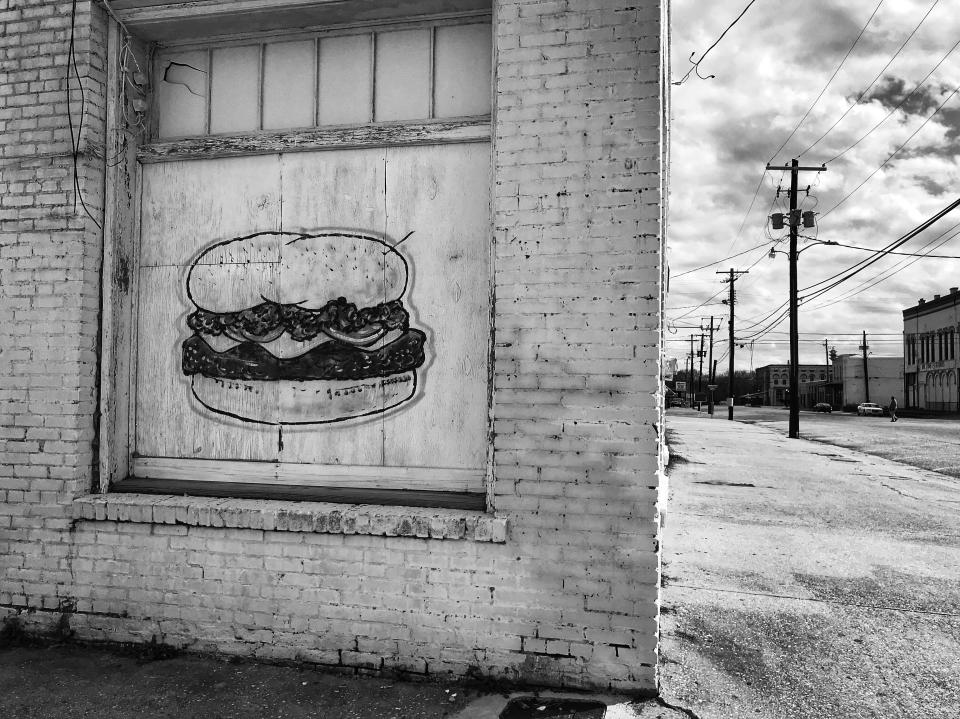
(308, 270)
(294, 402)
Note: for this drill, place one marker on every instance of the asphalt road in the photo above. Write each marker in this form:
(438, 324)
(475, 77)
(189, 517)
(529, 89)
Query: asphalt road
(927, 443)
(803, 581)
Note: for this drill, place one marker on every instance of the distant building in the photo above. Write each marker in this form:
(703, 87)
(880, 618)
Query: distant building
(884, 380)
(773, 381)
(930, 353)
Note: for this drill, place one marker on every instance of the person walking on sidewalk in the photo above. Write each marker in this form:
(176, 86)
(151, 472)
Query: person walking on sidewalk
(893, 409)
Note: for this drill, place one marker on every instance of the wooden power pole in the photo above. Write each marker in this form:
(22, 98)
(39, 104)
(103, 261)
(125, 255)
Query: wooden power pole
(734, 274)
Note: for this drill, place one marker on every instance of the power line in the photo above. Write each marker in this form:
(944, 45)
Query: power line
(817, 99)
(712, 264)
(891, 246)
(716, 294)
(899, 104)
(780, 313)
(892, 155)
(873, 81)
(905, 254)
(887, 274)
(696, 65)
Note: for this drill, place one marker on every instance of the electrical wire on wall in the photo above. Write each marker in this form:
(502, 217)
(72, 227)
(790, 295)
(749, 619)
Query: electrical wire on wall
(76, 132)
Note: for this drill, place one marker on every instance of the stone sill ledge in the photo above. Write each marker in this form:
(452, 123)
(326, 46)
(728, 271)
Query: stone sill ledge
(280, 516)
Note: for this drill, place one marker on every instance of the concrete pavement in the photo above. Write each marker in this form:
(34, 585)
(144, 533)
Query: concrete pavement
(800, 580)
(804, 580)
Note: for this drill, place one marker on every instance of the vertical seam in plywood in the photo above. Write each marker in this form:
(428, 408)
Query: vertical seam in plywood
(260, 84)
(317, 64)
(373, 79)
(209, 88)
(431, 72)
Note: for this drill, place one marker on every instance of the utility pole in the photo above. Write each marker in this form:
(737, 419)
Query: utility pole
(690, 376)
(734, 274)
(711, 367)
(700, 355)
(826, 357)
(795, 169)
(866, 368)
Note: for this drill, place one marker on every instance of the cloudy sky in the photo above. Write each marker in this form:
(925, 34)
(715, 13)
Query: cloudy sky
(769, 70)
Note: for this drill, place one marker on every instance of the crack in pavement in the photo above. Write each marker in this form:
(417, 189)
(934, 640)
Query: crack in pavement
(819, 601)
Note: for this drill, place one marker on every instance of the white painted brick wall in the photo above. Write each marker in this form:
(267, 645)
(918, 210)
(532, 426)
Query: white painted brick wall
(569, 599)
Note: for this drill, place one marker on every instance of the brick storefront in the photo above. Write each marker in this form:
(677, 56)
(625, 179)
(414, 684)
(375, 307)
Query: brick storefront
(555, 582)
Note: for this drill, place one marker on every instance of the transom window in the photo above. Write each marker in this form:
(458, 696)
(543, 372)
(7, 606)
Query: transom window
(427, 72)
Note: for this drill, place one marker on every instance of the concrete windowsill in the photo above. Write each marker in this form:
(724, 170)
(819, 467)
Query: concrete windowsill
(282, 516)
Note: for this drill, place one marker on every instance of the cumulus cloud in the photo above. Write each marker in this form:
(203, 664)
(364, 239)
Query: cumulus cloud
(893, 92)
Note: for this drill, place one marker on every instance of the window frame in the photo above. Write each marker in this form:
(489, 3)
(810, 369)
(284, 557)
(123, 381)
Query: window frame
(123, 190)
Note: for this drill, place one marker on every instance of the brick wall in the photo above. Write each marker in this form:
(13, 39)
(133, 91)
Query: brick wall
(568, 596)
(49, 287)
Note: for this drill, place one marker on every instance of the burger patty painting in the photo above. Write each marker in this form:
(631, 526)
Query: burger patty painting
(301, 328)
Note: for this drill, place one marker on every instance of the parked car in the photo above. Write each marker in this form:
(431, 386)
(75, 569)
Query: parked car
(865, 409)
(822, 407)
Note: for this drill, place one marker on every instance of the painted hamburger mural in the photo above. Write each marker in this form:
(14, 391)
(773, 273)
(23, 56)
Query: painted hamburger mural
(301, 328)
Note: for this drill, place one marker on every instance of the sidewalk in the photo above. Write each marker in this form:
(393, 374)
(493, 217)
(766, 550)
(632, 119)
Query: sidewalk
(804, 580)
(65, 681)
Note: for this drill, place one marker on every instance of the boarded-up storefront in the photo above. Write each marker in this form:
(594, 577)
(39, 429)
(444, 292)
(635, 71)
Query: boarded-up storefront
(376, 335)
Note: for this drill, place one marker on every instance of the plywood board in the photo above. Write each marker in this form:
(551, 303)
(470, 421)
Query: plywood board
(189, 205)
(171, 420)
(439, 194)
(312, 475)
(191, 210)
(326, 191)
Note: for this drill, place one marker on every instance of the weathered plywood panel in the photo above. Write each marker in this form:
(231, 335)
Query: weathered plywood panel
(440, 194)
(188, 206)
(171, 421)
(311, 475)
(369, 198)
(339, 189)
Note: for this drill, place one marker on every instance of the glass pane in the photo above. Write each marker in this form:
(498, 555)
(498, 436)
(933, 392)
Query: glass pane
(182, 94)
(234, 105)
(462, 70)
(288, 85)
(345, 80)
(403, 75)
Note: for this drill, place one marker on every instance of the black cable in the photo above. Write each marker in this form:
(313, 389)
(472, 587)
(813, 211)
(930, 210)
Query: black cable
(892, 155)
(696, 65)
(810, 109)
(782, 311)
(891, 246)
(75, 139)
(899, 105)
(872, 82)
(887, 274)
(712, 264)
(904, 254)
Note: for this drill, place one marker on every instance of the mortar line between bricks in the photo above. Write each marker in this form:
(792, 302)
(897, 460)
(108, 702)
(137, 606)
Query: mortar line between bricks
(819, 601)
